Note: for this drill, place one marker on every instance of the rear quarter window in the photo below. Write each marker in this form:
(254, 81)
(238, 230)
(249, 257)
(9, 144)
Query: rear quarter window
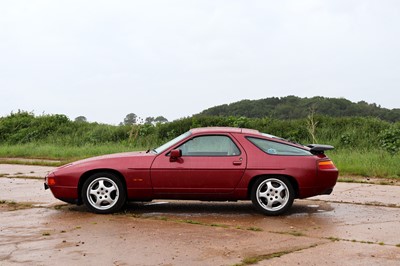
(276, 148)
(211, 145)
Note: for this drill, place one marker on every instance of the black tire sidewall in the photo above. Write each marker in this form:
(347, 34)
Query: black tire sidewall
(256, 204)
(121, 190)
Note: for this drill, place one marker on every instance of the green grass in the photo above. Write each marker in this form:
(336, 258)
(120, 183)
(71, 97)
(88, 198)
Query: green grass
(57, 152)
(367, 163)
(371, 163)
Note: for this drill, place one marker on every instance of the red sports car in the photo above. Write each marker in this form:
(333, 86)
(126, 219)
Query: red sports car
(212, 164)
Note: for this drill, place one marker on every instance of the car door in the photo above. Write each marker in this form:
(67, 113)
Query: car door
(209, 164)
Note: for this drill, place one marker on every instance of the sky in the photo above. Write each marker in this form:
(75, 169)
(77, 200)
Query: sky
(106, 59)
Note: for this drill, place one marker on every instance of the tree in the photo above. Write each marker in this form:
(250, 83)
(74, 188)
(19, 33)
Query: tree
(149, 120)
(80, 119)
(160, 119)
(130, 119)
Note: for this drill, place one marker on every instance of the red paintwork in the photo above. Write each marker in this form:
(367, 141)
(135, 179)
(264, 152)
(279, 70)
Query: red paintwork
(154, 176)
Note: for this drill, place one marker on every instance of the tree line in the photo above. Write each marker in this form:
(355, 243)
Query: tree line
(131, 119)
(293, 107)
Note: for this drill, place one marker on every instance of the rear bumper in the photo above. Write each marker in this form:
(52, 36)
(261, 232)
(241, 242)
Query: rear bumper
(326, 181)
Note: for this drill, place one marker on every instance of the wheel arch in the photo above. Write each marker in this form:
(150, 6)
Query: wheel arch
(89, 173)
(291, 179)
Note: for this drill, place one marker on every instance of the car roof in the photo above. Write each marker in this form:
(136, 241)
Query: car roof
(224, 130)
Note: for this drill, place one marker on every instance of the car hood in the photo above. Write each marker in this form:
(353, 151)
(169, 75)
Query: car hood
(117, 160)
(112, 156)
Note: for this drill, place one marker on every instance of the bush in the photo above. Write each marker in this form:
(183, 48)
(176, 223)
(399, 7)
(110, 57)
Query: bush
(344, 132)
(390, 139)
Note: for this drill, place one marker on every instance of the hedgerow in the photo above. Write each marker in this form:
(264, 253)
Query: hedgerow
(344, 132)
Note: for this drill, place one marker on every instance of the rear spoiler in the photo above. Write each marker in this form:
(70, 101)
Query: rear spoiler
(319, 148)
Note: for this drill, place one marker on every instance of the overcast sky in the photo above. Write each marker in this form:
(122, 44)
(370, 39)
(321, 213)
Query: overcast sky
(105, 59)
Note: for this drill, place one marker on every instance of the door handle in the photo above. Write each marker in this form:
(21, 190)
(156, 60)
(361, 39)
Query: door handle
(238, 162)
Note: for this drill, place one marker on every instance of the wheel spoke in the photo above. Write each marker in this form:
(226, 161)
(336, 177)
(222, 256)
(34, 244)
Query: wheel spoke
(93, 192)
(280, 189)
(98, 202)
(269, 185)
(280, 200)
(101, 185)
(270, 204)
(262, 194)
(111, 189)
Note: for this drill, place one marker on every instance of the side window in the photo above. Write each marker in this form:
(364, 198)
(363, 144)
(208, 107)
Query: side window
(209, 146)
(276, 148)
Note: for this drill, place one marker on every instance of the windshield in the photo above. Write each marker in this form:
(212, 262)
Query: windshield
(172, 142)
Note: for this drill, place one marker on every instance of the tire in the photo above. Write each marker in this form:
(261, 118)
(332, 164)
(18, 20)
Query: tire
(272, 195)
(103, 193)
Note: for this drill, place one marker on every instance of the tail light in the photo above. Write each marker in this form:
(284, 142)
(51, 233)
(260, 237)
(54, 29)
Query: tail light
(325, 165)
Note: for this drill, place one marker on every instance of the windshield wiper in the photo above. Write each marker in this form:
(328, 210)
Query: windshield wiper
(152, 151)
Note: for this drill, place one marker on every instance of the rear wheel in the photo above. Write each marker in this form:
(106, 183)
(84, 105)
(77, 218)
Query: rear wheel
(272, 195)
(103, 193)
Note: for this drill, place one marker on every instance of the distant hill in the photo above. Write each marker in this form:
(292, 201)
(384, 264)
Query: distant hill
(292, 107)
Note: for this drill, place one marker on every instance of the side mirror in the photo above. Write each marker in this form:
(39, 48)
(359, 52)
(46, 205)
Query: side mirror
(174, 155)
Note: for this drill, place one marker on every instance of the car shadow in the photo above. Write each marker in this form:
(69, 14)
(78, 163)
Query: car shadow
(193, 208)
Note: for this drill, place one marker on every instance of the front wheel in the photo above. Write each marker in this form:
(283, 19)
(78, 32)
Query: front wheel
(272, 195)
(103, 193)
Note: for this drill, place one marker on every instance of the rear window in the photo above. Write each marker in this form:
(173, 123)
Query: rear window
(276, 148)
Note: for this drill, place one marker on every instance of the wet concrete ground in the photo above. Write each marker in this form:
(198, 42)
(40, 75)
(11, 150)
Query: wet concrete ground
(357, 225)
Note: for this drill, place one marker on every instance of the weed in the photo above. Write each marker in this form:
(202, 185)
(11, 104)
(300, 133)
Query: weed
(293, 233)
(258, 258)
(256, 229)
(58, 207)
(16, 205)
(219, 225)
(190, 222)
(333, 239)
(26, 177)
(162, 218)
(350, 180)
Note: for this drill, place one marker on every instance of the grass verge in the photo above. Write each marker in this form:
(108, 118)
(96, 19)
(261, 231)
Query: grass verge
(356, 162)
(366, 163)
